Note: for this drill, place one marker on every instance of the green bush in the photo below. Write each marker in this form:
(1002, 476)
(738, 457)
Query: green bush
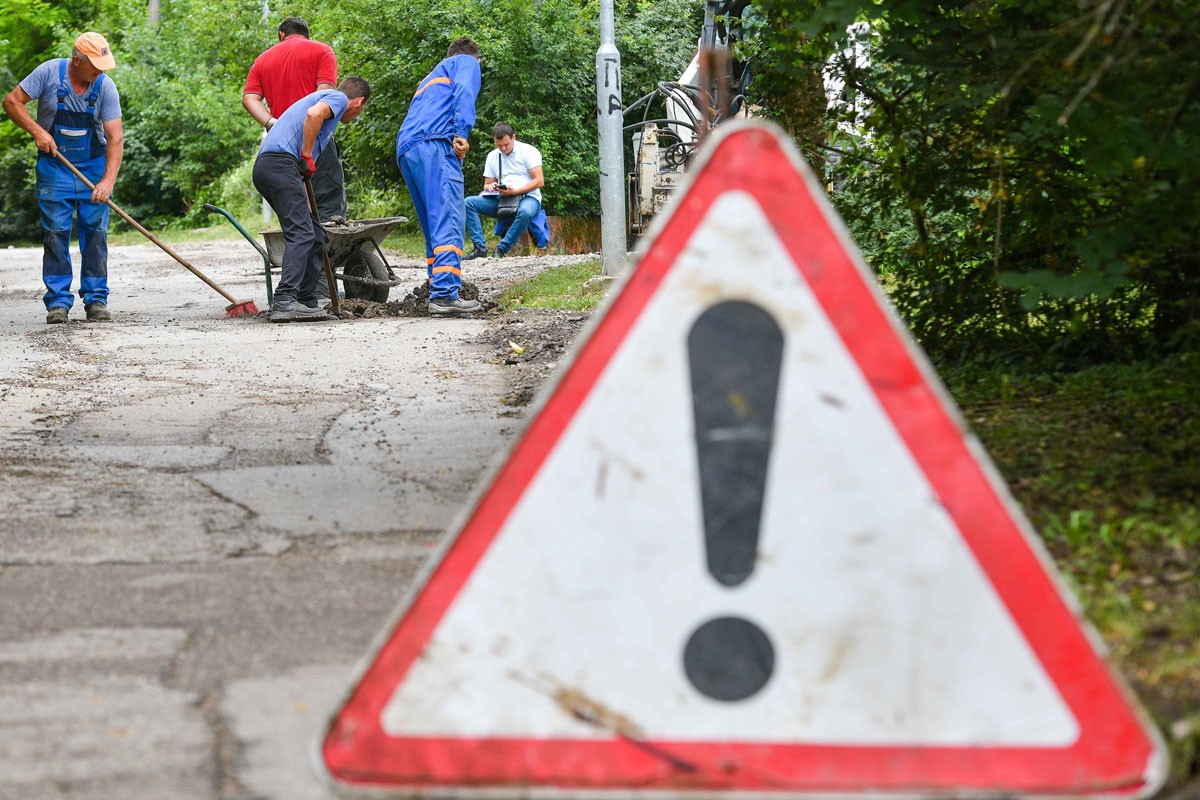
(538, 73)
(1027, 187)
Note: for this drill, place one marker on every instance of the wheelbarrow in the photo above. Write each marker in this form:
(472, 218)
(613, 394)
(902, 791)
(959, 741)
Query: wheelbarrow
(353, 247)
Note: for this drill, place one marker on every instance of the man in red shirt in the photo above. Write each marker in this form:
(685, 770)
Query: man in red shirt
(295, 68)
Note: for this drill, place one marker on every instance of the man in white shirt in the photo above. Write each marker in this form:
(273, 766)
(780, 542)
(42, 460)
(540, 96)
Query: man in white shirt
(513, 168)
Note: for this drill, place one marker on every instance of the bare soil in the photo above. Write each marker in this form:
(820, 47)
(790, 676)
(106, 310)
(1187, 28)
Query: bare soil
(531, 342)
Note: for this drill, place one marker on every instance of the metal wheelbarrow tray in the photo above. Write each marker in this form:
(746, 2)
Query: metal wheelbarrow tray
(353, 247)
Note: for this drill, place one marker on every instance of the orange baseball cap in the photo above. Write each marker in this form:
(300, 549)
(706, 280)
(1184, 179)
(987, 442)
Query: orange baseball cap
(95, 47)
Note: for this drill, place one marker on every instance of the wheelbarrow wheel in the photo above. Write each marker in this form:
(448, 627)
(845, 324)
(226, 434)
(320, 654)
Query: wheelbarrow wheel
(377, 269)
(366, 263)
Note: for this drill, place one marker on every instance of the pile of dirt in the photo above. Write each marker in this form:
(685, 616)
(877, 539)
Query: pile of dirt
(531, 342)
(413, 304)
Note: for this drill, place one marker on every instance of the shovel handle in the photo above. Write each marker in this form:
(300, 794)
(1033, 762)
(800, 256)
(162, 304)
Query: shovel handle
(147, 233)
(334, 302)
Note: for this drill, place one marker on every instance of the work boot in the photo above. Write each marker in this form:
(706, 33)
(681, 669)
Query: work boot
(294, 311)
(499, 252)
(452, 305)
(97, 312)
(543, 251)
(476, 252)
(56, 315)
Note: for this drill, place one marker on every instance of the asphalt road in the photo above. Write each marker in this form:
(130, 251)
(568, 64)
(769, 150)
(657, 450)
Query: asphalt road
(204, 522)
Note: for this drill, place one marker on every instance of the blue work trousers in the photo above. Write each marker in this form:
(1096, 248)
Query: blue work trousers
(64, 201)
(434, 178)
(480, 204)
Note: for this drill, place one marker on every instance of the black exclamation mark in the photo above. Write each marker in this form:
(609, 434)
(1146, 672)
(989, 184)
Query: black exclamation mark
(734, 353)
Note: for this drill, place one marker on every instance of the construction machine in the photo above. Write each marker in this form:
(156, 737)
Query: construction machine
(710, 91)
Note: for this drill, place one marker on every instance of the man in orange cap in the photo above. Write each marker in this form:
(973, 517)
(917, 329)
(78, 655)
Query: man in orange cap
(79, 119)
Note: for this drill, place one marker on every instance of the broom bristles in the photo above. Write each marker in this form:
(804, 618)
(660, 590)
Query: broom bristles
(246, 308)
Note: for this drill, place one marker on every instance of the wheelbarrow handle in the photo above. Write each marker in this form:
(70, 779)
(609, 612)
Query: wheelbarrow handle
(209, 207)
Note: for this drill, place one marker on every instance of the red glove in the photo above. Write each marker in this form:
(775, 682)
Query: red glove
(307, 167)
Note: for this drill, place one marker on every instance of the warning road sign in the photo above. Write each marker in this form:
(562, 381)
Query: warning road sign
(744, 545)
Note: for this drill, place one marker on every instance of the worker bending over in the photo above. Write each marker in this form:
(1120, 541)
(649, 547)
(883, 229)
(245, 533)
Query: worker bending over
(285, 162)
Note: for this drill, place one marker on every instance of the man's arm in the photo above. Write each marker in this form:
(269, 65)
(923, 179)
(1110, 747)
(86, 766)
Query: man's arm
(537, 183)
(258, 109)
(489, 172)
(465, 90)
(114, 132)
(14, 106)
(327, 69)
(314, 118)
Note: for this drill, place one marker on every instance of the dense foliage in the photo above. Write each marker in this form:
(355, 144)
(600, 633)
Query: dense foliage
(1024, 176)
(1020, 172)
(188, 140)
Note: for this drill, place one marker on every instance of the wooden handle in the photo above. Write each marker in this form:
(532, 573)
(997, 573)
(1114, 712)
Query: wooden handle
(334, 302)
(147, 233)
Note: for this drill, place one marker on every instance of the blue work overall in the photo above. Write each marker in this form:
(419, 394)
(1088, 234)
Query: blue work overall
(62, 197)
(434, 178)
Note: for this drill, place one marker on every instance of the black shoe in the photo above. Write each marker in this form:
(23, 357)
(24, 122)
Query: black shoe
(453, 305)
(295, 311)
(56, 315)
(476, 252)
(97, 312)
(499, 252)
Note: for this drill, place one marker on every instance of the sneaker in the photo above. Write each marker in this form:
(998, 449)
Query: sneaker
(476, 252)
(56, 315)
(452, 305)
(97, 312)
(295, 311)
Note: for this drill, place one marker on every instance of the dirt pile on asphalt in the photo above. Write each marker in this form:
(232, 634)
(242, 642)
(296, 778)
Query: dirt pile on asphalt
(413, 304)
(532, 342)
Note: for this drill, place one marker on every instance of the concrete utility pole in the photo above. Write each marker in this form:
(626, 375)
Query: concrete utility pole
(609, 110)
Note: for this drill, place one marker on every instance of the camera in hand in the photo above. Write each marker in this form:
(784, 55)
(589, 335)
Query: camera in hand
(500, 185)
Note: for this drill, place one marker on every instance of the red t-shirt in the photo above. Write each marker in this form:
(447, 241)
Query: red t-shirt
(291, 70)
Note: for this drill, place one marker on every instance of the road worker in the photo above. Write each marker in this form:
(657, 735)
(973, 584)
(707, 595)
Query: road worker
(429, 150)
(78, 117)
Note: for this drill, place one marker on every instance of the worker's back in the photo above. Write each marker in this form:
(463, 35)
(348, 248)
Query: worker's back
(291, 70)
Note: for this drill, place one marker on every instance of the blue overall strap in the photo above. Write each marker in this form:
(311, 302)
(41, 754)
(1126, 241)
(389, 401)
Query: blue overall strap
(92, 98)
(62, 84)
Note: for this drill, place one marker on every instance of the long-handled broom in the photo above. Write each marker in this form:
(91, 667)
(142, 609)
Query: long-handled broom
(237, 308)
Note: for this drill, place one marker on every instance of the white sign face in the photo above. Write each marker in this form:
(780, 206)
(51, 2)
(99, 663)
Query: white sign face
(884, 628)
(744, 547)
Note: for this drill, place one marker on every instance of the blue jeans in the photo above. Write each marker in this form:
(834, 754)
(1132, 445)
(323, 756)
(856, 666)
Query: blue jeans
(478, 204)
(65, 201)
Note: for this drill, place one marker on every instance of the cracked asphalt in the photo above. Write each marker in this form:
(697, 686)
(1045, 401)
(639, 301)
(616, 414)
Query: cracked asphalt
(204, 522)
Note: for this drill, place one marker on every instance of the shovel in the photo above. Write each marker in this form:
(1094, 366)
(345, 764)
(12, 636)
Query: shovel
(335, 304)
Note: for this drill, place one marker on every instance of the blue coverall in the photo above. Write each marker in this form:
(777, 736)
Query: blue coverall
(442, 108)
(61, 196)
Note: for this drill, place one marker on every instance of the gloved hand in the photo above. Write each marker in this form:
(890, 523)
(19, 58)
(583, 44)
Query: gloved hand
(307, 168)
